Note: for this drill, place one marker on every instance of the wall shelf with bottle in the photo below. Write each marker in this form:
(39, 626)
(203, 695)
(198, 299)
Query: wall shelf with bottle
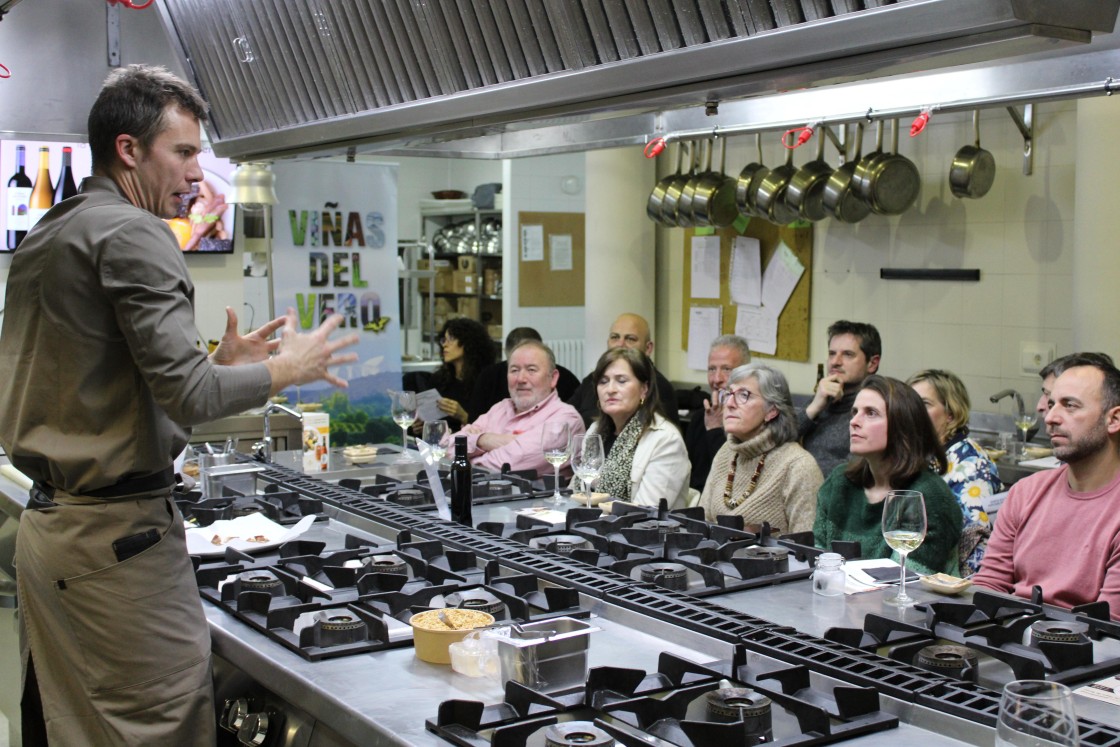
(465, 252)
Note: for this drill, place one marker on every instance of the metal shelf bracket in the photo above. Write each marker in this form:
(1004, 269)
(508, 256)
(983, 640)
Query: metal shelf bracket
(1025, 122)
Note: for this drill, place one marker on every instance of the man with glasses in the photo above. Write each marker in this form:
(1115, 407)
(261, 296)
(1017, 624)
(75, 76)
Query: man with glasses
(704, 435)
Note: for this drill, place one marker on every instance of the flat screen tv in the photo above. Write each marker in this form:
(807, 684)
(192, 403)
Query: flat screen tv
(38, 173)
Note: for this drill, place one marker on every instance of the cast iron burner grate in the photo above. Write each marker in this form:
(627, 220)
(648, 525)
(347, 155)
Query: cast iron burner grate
(278, 504)
(671, 706)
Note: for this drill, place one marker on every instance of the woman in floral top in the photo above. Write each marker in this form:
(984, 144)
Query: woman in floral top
(972, 475)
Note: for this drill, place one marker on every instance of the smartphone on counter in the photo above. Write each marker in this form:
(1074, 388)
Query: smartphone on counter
(134, 544)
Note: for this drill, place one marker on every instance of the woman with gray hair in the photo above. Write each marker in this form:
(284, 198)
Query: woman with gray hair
(762, 473)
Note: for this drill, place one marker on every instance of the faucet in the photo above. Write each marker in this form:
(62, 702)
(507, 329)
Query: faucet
(1021, 409)
(265, 446)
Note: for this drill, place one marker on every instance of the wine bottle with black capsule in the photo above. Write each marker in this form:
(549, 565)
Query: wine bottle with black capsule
(461, 487)
(19, 198)
(66, 186)
(42, 194)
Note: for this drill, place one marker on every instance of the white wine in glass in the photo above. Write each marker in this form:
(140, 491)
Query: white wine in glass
(1024, 423)
(403, 409)
(904, 529)
(434, 433)
(556, 445)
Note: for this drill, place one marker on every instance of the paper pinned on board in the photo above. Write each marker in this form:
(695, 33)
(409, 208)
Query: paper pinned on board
(532, 243)
(704, 325)
(759, 327)
(705, 267)
(782, 274)
(746, 271)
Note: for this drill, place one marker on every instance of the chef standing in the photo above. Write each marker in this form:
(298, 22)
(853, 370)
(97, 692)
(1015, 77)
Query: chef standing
(100, 383)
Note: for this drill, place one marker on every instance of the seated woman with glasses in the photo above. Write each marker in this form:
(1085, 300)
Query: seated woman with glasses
(761, 473)
(466, 349)
(893, 447)
(646, 459)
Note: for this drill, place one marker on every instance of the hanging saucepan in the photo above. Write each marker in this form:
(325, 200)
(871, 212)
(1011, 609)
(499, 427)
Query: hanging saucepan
(657, 196)
(974, 169)
(891, 182)
(861, 177)
(770, 199)
(805, 194)
(676, 186)
(746, 186)
(685, 218)
(714, 201)
(839, 198)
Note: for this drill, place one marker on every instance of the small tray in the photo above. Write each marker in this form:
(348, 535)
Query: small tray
(594, 500)
(943, 583)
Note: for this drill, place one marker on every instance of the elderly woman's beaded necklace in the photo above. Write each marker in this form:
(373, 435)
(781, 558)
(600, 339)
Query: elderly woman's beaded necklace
(734, 502)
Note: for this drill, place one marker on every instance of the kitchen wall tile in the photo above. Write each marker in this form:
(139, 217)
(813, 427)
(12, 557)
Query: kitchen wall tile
(941, 301)
(871, 299)
(1022, 300)
(831, 296)
(980, 302)
(981, 350)
(941, 347)
(902, 348)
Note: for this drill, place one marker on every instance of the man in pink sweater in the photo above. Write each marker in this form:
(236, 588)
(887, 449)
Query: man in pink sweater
(1060, 529)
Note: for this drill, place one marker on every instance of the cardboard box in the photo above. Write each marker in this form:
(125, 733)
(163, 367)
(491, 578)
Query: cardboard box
(468, 307)
(495, 331)
(316, 441)
(468, 263)
(491, 282)
(464, 282)
(444, 279)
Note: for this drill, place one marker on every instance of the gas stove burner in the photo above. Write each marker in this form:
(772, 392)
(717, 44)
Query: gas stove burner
(672, 576)
(563, 544)
(775, 559)
(576, 734)
(385, 564)
(245, 509)
(490, 488)
(947, 659)
(409, 498)
(477, 599)
(1057, 631)
(763, 551)
(261, 581)
(335, 627)
(731, 704)
(662, 526)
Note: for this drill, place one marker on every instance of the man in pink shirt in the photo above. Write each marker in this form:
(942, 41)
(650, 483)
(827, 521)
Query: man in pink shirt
(510, 432)
(1060, 529)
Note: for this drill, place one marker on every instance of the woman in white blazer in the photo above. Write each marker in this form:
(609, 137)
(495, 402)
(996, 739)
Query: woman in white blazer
(646, 456)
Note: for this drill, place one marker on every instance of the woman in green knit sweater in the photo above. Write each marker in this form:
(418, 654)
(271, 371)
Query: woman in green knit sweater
(893, 446)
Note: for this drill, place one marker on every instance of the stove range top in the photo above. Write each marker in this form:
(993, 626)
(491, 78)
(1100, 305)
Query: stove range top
(276, 502)
(324, 603)
(487, 487)
(682, 703)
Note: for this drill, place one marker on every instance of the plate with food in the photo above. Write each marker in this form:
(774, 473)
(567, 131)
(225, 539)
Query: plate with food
(248, 534)
(360, 454)
(943, 583)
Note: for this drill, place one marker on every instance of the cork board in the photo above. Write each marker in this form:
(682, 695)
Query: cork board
(793, 324)
(550, 259)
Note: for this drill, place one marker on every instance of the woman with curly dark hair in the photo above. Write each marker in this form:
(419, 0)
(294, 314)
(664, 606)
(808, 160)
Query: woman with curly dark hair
(466, 349)
(893, 447)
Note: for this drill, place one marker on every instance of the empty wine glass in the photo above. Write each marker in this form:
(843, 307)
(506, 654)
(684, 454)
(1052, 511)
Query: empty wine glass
(556, 444)
(434, 433)
(904, 529)
(587, 460)
(1036, 713)
(404, 414)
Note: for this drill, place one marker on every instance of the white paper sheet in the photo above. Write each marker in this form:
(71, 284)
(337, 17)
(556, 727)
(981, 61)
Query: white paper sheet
(759, 327)
(532, 243)
(746, 271)
(426, 407)
(236, 533)
(704, 325)
(705, 267)
(1050, 462)
(560, 252)
(781, 276)
(1107, 690)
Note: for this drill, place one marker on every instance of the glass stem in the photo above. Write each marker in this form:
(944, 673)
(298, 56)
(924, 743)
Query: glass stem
(902, 578)
(404, 439)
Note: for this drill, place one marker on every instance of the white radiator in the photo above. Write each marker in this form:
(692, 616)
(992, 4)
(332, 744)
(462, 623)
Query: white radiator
(569, 354)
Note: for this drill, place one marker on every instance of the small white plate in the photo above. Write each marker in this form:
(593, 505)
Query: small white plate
(943, 583)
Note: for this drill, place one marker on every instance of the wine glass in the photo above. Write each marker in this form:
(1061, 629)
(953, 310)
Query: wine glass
(434, 433)
(404, 415)
(1036, 713)
(1024, 421)
(556, 443)
(904, 529)
(587, 460)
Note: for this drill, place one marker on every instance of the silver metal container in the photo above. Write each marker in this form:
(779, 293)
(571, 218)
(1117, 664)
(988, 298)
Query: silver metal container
(239, 477)
(548, 655)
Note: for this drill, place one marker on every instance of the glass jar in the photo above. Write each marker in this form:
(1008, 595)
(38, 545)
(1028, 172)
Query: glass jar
(828, 576)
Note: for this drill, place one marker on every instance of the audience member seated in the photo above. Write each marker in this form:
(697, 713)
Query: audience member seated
(510, 431)
(893, 446)
(854, 349)
(628, 331)
(490, 385)
(761, 473)
(646, 458)
(1059, 529)
(704, 435)
(1056, 368)
(466, 349)
(972, 475)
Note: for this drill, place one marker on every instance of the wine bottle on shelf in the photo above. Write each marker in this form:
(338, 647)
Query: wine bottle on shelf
(19, 198)
(65, 187)
(461, 484)
(42, 194)
(820, 375)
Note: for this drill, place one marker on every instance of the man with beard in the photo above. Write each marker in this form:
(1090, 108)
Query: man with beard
(1056, 368)
(853, 355)
(1060, 529)
(510, 431)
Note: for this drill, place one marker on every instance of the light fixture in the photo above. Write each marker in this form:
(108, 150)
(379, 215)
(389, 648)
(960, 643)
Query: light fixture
(254, 185)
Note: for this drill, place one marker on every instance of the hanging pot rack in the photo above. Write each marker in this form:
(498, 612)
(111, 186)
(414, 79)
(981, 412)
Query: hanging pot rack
(1023, 119)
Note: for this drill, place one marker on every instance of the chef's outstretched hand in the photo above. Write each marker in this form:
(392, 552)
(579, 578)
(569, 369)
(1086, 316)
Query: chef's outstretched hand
(236, 350)
(304, 357)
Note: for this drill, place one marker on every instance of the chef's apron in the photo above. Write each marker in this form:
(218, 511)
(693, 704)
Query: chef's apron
(121, 649)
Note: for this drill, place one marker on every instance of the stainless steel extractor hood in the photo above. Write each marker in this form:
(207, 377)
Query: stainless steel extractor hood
(287, 77)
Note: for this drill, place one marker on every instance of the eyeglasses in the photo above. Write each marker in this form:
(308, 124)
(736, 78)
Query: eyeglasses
(742, 396)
